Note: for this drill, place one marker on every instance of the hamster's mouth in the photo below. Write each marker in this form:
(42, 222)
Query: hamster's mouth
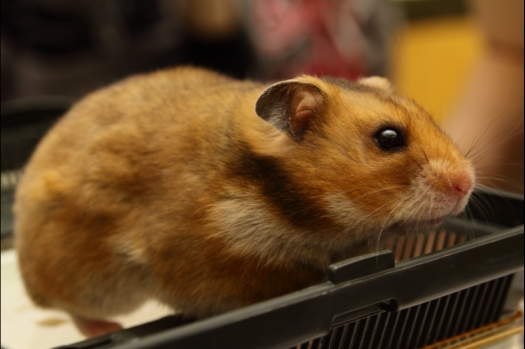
(421, 224)
(432, 222)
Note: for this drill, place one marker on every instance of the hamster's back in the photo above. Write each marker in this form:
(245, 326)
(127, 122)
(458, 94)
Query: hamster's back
(129, 129)
(108, 167)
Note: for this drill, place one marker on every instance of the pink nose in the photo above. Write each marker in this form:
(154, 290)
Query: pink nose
(462, 184)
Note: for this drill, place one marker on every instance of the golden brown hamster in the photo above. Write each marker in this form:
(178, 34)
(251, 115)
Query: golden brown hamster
(209, 194)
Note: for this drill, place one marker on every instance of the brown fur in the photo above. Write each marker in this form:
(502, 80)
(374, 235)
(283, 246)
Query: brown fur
(170, 186)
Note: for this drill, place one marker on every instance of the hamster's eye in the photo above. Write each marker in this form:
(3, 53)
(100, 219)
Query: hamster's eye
(390, 139)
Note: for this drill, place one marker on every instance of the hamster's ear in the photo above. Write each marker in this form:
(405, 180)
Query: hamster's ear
(290, 106)
(378, 82)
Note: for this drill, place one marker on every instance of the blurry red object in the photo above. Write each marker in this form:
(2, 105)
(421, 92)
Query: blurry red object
(318, 37)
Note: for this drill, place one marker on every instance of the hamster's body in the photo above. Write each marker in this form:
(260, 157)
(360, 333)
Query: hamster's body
(209, 194)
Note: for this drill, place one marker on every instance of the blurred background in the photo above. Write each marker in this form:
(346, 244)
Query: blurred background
(68, 48)
(461, 60)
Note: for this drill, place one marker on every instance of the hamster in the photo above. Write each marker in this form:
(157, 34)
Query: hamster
(209, 194)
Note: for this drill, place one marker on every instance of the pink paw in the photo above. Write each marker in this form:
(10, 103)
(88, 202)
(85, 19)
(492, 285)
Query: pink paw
(94, 328)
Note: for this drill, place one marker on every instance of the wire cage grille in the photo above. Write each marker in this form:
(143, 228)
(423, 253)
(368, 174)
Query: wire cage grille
(420, 325)
(427, 323)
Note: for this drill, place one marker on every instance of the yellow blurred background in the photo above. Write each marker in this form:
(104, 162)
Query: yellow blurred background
(431, 60)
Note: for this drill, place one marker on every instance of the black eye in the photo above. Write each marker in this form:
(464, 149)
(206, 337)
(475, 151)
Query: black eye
(390, 139)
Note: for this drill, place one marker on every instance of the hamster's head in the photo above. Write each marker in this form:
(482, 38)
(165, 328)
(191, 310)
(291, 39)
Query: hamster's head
(372, 161)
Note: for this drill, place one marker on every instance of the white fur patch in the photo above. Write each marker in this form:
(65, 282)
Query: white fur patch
(343, 210)
(358, 226)
(251, 229)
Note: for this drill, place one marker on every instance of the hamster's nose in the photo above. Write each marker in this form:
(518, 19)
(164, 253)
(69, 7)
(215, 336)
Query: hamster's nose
(462, 184)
